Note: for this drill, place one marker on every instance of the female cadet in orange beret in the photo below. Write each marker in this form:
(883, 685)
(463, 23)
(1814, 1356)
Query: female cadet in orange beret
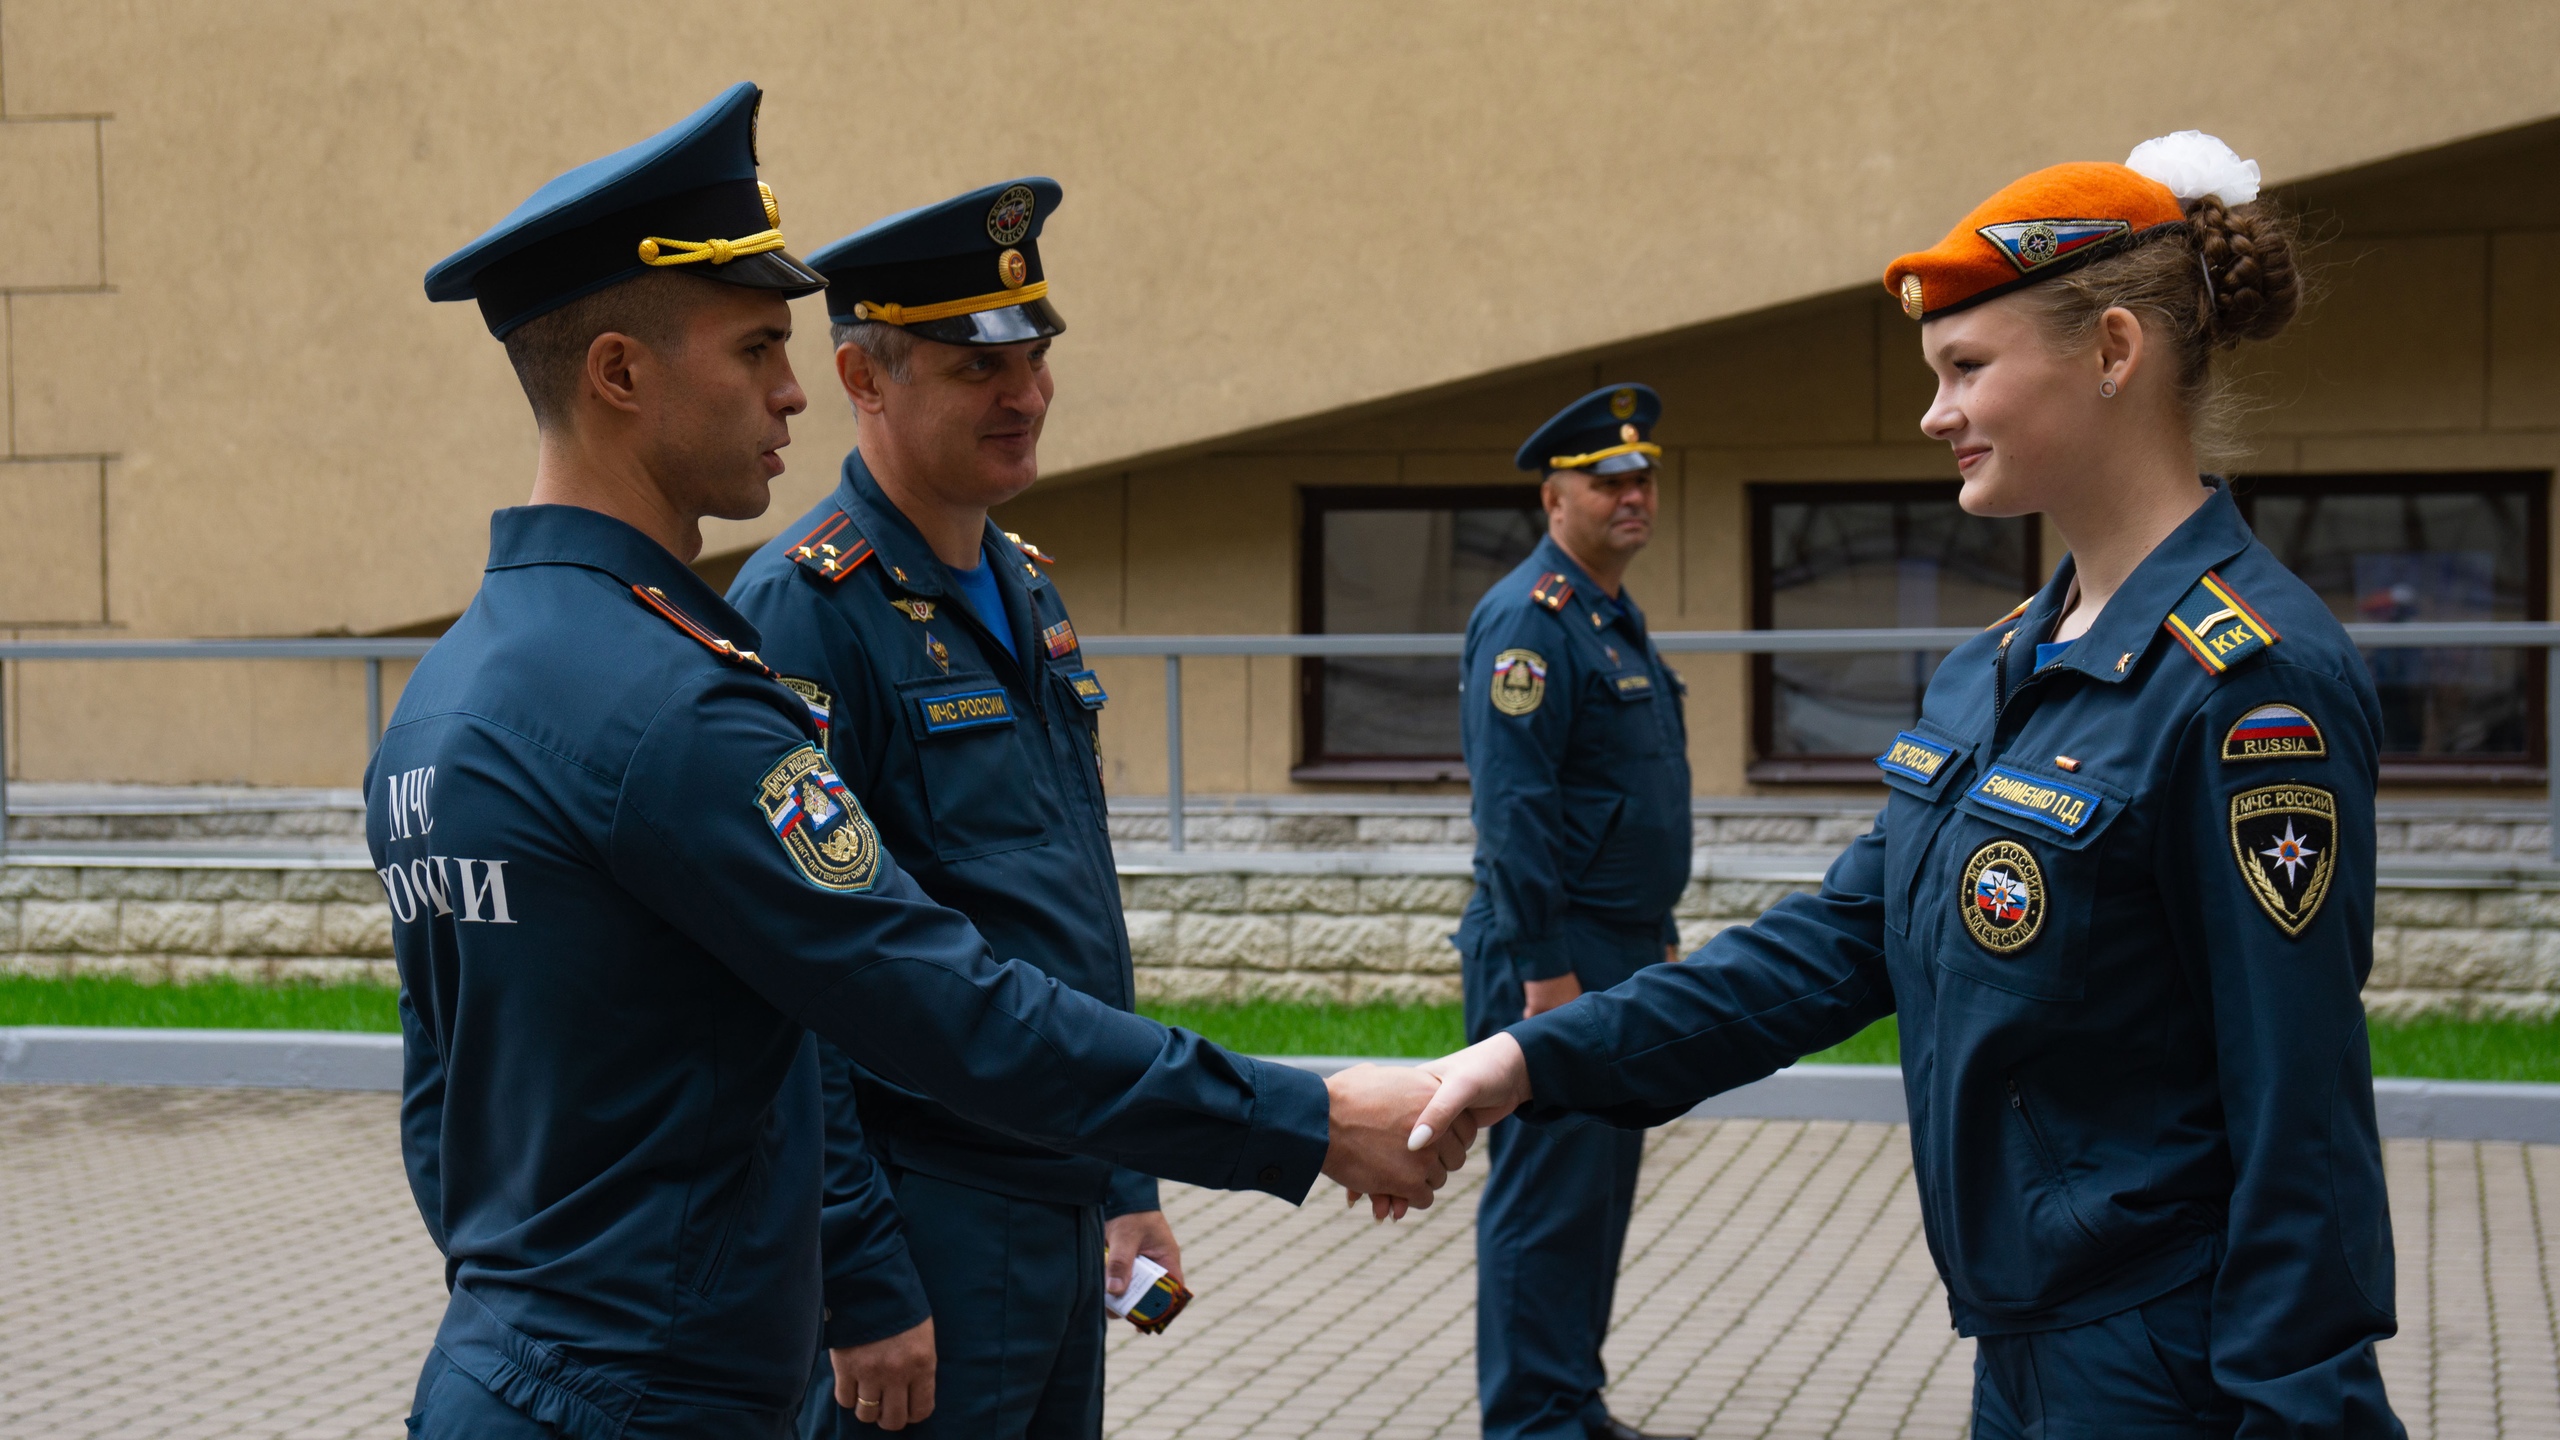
(2121, 893)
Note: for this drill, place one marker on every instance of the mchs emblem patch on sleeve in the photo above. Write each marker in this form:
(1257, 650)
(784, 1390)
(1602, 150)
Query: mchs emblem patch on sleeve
(2286, 840)
(1519, 681)
(820, 824)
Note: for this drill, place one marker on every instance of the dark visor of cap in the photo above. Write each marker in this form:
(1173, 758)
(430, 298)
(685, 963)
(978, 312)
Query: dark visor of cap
(1005, 325)
(553, 271)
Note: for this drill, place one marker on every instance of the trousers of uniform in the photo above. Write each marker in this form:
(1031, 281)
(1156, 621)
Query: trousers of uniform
(1551, 1221)
(1016, 1290)
(2140, 1374)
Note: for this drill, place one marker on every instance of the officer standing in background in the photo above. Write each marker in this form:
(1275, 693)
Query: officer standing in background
(622, 875)
(959, 709)
(1579, 757)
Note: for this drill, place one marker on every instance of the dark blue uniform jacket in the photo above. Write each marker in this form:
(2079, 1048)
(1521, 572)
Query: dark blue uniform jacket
(1579, 758)
(983, 776)
(622, 880)
(2140, 1073)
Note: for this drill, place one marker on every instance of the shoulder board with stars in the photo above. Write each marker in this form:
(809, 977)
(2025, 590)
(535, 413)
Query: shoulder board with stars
(819, 553)
(1027, 548)
(2216, 626)
(1552, 590)
(656, 599)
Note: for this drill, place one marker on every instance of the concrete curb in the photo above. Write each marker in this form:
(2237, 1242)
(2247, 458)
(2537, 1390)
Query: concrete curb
(212, 1059)
(329, 1060)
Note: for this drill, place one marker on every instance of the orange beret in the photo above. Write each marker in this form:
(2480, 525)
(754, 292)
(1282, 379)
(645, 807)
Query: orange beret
(2048, 224)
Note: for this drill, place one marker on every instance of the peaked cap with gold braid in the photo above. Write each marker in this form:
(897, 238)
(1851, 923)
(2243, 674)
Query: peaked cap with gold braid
(1605, 432)
(685, 197)
(965, 271)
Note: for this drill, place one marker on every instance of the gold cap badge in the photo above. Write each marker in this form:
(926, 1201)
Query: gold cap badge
(1012, 269)
(1911, 296)
(1627, 433)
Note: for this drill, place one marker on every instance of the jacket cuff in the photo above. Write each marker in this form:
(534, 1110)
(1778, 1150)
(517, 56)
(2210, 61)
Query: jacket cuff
(1557, 1051)
(882, 1299)
(1541, 959)
(1292, 1127)
(1131, 1193)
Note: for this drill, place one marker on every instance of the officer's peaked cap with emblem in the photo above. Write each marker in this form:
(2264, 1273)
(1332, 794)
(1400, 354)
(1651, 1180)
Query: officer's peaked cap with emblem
(965, 270)
(685, 199)
(2062, 217)
(1606, 432)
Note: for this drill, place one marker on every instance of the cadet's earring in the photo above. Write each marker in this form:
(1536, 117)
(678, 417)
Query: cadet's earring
(2107, 389)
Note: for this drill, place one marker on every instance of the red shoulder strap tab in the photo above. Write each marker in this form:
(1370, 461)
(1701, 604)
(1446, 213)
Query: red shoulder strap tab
(819, 552)
(1552, 590)
(657, 600)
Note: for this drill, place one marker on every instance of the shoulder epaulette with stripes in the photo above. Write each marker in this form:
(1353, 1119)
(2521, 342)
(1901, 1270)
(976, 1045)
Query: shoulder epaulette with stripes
(656, 599)
(818, 552)
(1552, 590)
(2216, 626)
(2012, 615)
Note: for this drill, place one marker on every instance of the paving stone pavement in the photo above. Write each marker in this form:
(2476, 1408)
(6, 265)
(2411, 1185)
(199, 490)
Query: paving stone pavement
(247, 1263)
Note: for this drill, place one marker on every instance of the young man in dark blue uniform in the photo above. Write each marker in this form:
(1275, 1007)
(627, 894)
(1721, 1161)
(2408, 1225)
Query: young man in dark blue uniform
(2121, 893)
(962, 715)
(622, 874)
(1579, 760)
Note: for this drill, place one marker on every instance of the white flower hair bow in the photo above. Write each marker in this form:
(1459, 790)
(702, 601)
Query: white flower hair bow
(2193, 165)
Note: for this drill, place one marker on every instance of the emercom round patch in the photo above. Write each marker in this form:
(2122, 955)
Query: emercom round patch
(2003, 897)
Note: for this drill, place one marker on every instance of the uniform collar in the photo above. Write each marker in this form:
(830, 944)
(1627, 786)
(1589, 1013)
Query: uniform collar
(530, 535)
(1595, 601)
(911, 564)
(2210, 536)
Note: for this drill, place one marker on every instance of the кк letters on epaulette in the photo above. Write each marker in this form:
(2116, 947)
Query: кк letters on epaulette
(2216, 626)
(818, 552)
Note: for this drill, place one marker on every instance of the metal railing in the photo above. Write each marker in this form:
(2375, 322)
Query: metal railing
(2511, 635)
(371, 651)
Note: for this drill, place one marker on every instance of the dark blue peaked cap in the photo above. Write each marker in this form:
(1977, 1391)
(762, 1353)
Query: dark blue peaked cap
(686, 199)
(1605, 432)
(965, 271)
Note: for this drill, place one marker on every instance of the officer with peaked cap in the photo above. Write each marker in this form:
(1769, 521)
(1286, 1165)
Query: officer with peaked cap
(963, 716)
(1569, 717)
(623, 875)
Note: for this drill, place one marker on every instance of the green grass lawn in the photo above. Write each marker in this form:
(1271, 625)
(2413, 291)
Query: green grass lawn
(2441, 1049)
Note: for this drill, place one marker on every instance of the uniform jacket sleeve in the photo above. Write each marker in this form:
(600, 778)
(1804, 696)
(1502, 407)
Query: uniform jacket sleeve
(1806, 975)
(872, 1289)
(907, 988)
(2305, 1288)
(422, 1120)
(1131, 1194)
(1513, 765)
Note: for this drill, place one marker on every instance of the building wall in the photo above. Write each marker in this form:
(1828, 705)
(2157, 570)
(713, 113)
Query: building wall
(2433, 344)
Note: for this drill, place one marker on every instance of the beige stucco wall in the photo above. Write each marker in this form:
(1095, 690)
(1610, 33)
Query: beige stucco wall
(2434, 345)
(229, 411)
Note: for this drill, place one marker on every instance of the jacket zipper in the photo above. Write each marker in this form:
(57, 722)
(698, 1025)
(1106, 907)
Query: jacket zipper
(2052, 1167)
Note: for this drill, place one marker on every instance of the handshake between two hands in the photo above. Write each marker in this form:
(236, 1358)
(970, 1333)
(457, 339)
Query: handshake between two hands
(1397, 1131)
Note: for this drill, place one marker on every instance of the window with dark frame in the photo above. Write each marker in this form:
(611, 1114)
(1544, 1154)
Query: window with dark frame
(1397, 560)
(2386, 549)
(1883, 555)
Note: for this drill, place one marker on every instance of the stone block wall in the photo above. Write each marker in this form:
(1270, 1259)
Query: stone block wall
(2486, 950)
(173, 923)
